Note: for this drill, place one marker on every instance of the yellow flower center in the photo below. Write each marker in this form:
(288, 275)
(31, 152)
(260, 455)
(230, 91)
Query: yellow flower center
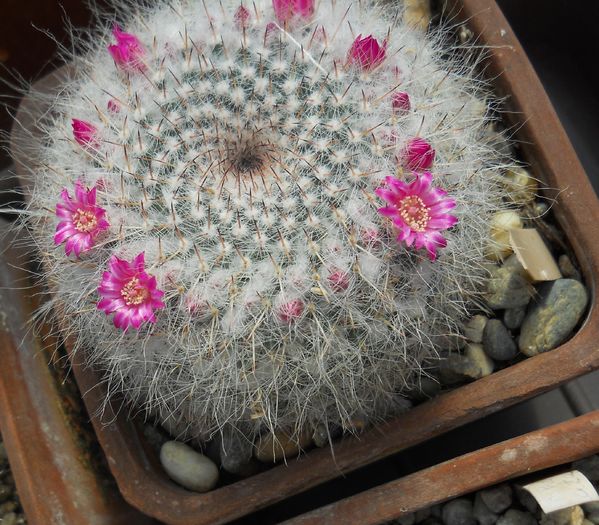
(133, 293)
(85, 221)
(414, 213)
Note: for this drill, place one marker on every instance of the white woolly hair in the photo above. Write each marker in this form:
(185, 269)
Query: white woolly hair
(243, 162)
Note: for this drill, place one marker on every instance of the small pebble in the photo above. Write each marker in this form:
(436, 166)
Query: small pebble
(497, 341)
(521, 185)
(426, 388)
(567, 268)
(497, 498)
(569, 516)
(516, 517)
(236, 454)
(507, 288)
(270, 448)
(458, 512)
(473, 329)
(501, 224)
(473, 364)
(527, 500)
(513, 317)
(482, 513)
(187, 467)
(554, 315)
(322, 436)
(591, 511)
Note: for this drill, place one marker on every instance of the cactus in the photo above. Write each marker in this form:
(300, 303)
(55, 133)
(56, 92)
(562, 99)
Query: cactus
(256, 216)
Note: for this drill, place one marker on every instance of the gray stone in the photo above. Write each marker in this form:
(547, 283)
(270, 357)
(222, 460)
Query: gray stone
(527, 500)
(589, 467)
(458, 512)
(555, 314)
(187, 467)
(236, 453)
(497, 498)
(426, 389)
(473, 364)
(591, 511)
(482, 513)
(517, 517)
(513, 317)
(567, 267)
(473, 329)
(507, 288)
(497, 341)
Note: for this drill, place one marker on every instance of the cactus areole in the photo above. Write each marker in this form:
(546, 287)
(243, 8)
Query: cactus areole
(265, 215)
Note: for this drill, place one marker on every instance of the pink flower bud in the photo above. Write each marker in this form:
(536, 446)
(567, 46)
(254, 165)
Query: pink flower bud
(367, 53)
(371, 237)
(242, 17)
(84, 133)
(291, 311)
(287, 10)
(418, 154)
(338, 281)
(400, 101)
(114, 106)
(128, 52)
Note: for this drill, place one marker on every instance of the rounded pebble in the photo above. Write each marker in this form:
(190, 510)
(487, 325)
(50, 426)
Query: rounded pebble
(482, 513)
(497, 498)
(591, 511)
(187, 467)
(458, 512)
(473, 329)
(567, 267)
(497, 341)
(507, 288)
(238, 458)
(513, 317)
(555, 314)
(516, 517)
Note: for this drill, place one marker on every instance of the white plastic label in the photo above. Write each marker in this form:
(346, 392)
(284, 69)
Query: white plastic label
(562, 491)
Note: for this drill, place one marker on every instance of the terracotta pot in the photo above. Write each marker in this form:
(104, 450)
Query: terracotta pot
(59, 476)
(547, 149)
(510, 459)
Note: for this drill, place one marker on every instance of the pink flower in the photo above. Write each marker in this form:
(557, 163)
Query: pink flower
(338, 281)
(418, 154)
(128, 52)
(418, 211)
(242, 17)
(81, 220)
(287, 10)
(367, 53)
(129, 292)
(400, 102)
(291, 311)
(84, 133)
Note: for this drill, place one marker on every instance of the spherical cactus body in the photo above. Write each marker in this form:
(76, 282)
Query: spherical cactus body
(265, 216)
